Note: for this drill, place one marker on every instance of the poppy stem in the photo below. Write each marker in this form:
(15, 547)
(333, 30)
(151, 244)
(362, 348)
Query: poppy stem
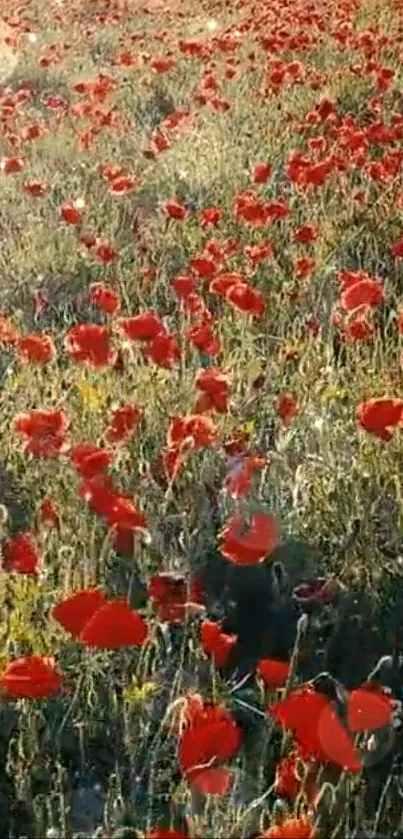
(240, 684)
(250, 707)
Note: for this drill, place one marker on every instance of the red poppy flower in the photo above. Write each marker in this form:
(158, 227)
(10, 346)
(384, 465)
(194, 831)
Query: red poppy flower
(36, 349)
(20, 554)
(105, 297)
(246, 299)
(306, 234)
(89, 343)
(45, 432)
(367, 293)
(240, 475)
(368, 709)
(274, 673)
(104, 251)
(75, 611)
(261, 172)
(293, 827)
(251, 545)
(123, 184)
(48, 513)
(211, 217)
(34, 677)
(199, 430)
(316, 727)
(174, 210)
(163, 350)
(380, 416)
(89, 460)
(286, 407)
(211, 738)
(71, 214)
(122, 423)
(11, 165)
(115, 625)
(142, 327)
(216, 643)
(36, 189)
(203, 266)
(214, 385)
(172, 594)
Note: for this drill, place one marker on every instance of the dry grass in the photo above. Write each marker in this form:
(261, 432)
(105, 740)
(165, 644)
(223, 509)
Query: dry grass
(100, 754)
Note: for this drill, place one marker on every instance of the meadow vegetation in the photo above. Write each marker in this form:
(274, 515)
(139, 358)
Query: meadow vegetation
(201, 281)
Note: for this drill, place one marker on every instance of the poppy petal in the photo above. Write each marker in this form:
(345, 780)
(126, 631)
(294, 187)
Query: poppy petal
(368, 710)
(215, 781)
(115, 625)
(75, 612)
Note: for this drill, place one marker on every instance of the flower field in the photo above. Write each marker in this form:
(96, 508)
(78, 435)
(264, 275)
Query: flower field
(201, 426)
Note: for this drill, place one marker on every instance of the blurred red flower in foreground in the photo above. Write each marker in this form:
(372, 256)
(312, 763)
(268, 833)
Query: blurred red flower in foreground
(75, 611)
(246, 544)
(34, 677)
(45, 432)
(210, 738)
(319, 731)
(379, 416)
(173, 595)
(216, 643)
(20, 555)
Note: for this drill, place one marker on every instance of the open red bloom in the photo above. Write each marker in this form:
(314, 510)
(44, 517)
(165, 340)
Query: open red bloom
(115, 625)
(367, 293)
(251, 545)
(36, 349)
(216, 643)
(261, 172)
(34, 677)
(142, 327)
(75, 611)
(274, 673)
(214, 386)
(240, 474)
(89, 343)
(172, 594)
(105, 297)
(20, 554)
(44, 431)
(317, 729)
(380, 416)
(246, 299)
(198, 429)
(211, 738)
(89, 460)
(175, 210)
(122, 423)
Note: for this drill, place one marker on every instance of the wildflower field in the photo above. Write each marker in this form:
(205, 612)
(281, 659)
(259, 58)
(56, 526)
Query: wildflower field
(201, 414)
